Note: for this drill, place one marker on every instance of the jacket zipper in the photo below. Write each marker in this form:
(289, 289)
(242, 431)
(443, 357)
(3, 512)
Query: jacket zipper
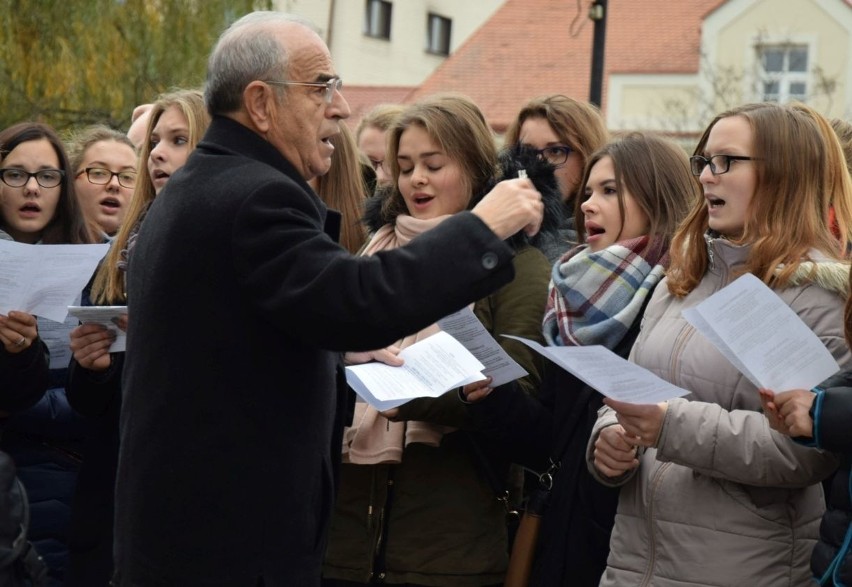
(649, 522)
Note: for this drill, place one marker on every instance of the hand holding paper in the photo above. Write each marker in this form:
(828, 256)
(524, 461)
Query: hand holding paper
(431, 367)
(106, 317)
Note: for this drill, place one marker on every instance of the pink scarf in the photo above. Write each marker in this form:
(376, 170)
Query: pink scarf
(373, 439)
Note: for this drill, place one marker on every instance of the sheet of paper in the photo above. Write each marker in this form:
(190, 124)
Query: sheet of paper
(45, 279)
(762, 336)
(466, 328)
(105, 316)
(56, 336)
(608, 373)
(432, 367)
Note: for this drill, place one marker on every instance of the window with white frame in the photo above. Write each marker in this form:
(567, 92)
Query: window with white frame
(783, 72)
(438, 31)
(377, 19)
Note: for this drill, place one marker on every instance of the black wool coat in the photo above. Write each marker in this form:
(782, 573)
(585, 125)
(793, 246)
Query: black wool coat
(234, 395)
(573, 542)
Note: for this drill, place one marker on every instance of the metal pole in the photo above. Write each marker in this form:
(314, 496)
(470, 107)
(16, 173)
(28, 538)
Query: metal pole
(597, 13)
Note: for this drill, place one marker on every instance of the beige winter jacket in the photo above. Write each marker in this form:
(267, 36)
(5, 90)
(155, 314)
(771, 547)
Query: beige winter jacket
(722, 500)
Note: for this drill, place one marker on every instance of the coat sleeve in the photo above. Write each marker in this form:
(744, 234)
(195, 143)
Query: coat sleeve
(306, 285)
(833, 414)
(517, 308)
(739, 446)
(91, 393)
(24, 377)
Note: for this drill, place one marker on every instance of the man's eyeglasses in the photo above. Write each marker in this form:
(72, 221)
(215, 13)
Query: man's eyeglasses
(556, 155)
(332, 85)
(719, 164)
(46, 178)
(101, 176)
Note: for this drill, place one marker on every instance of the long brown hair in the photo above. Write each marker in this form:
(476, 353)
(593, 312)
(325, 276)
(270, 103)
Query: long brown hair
(656, 173)
(343, 189)
(67, 227)
(108, 286)
(788, 216)
(458, 127)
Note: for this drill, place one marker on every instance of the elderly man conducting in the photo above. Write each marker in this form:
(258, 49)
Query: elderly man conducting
(240, 304)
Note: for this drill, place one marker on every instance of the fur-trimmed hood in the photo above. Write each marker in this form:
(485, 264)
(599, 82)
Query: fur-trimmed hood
(511, 160)
(830, 275)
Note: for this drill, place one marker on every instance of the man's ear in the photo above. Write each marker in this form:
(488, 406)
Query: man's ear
(259, 100)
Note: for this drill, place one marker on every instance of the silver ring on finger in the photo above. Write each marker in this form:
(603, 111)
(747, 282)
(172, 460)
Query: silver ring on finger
(21, 342)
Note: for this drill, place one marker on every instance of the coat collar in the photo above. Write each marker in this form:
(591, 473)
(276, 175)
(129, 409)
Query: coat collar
(227, 135)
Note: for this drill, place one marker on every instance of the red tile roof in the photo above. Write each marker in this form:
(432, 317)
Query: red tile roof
(534, 47)
(362, 98)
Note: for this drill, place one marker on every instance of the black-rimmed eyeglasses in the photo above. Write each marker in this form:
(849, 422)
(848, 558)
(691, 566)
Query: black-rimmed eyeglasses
(46, 178)
(101, 176)
(556, 155)
(719, 164)
(332, 85)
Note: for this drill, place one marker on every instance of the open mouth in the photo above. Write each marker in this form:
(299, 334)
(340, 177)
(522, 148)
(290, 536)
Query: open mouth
(593, 229)
(715, 202)
(30, 207)
(110, 203)
(421, 200)
(159, 174)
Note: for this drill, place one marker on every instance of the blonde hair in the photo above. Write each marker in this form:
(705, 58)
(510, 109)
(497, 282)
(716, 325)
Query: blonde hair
(380, 117)
(108, 286)
(800, 177)
(344, 189)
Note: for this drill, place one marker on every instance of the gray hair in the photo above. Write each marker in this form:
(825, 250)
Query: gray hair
(248, 50)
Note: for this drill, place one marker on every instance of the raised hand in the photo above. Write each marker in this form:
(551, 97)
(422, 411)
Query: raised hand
(513, 205)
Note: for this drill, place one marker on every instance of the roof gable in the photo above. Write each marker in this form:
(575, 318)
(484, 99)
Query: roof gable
(534, 47)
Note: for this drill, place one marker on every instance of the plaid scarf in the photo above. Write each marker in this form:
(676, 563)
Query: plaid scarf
(594, 298)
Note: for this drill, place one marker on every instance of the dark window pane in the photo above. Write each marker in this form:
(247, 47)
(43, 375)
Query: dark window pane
(773, 60)
(799, 59)
(798, 90)
(377, 19)
(438, 34)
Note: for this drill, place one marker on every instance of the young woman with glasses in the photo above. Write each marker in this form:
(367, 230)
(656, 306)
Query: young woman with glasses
(709, 494)
(565, 132)
(104, 163)
(177, 122)
(40, 431)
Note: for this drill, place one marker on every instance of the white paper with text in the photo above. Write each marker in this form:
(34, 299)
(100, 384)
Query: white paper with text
(762, 336)
(466, 328)
(432, 367)
(611, 375)
(45, 279)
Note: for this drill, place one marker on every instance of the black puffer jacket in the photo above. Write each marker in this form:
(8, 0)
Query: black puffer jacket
(831, 561)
